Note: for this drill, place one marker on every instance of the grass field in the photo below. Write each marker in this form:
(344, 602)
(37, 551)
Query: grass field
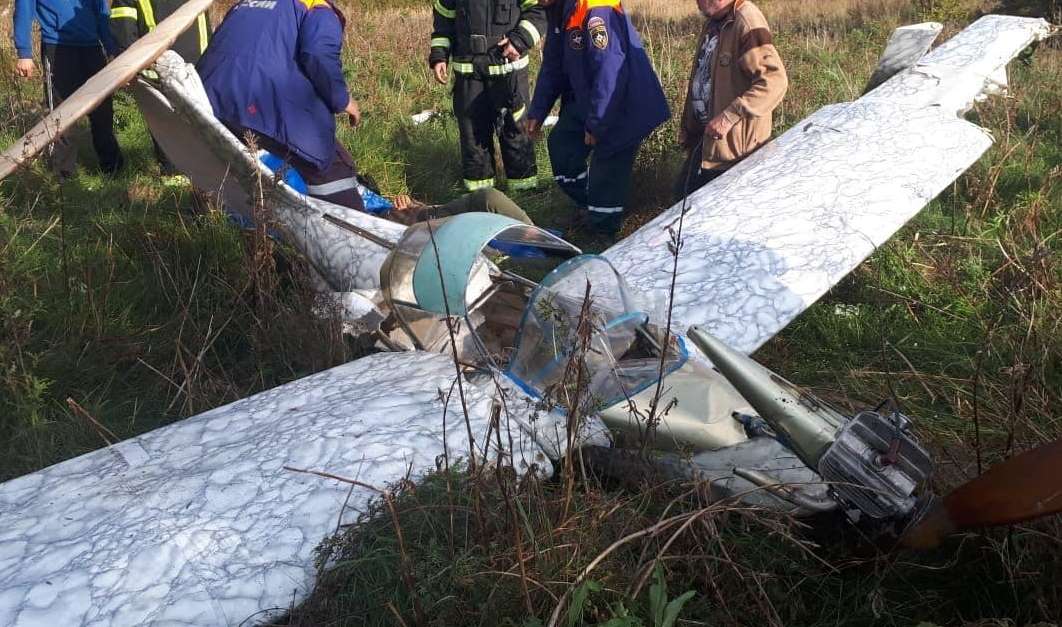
(120, 303)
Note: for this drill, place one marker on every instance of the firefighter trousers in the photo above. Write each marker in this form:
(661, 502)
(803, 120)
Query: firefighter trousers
(486, 107)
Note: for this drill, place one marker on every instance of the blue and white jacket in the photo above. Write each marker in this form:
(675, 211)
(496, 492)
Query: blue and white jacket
(273, 66)
(594, 61)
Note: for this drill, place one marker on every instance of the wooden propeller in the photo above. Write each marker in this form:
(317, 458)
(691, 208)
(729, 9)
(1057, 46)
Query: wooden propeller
(117, 73)
(1024, 487)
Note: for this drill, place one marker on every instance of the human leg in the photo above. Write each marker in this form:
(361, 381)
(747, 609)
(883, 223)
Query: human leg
(567, 154)
(608, 185)
(517, 149)
(166, 167)
(484, 200)
(62, 154)
(71, 67)
(475, 124)
(691, 177)
(337, 184)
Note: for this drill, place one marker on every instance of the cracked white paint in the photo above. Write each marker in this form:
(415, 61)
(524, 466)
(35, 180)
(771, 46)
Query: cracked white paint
(767, 239)
(198, 524)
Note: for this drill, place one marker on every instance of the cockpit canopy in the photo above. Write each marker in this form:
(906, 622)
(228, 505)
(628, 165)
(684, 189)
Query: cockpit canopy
(580, 338)
(586, 340)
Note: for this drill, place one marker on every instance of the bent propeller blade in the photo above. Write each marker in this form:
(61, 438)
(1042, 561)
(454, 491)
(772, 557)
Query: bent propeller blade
(118, 72)
(1025, 487)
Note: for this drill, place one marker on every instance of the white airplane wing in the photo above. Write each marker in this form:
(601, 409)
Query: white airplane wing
(198, 523)
(770, 237)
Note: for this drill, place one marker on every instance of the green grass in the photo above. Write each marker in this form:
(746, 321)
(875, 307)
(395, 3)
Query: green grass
(115, 294)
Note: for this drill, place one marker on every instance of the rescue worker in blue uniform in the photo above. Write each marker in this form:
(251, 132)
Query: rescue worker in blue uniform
(488, 42)
(273, 71)
(611, 100)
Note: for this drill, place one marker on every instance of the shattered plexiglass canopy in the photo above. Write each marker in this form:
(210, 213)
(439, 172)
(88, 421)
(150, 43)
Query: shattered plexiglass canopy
(451, 249)
(586, 340)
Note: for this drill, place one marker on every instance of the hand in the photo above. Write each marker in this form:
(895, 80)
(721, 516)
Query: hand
(441, 72)
(508, 50)
(589, 139)
(353, 112)
(402, 202)
(533, 128)
(718, 127)
(25, 68)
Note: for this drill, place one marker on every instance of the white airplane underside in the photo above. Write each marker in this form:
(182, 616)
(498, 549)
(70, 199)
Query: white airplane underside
(199, 523)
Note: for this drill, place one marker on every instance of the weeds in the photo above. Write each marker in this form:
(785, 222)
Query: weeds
(114, 296)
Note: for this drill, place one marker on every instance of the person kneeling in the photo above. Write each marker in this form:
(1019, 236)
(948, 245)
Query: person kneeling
(273, 75)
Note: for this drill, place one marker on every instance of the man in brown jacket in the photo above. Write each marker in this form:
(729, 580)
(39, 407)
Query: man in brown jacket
(736, 82)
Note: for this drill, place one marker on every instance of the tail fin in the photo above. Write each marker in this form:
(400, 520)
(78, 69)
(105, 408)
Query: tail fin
(907, 45)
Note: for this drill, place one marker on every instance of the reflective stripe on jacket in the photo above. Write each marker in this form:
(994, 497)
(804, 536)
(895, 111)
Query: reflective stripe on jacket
(468, 31)
(594, 60)
(132, 19)
(274, 66)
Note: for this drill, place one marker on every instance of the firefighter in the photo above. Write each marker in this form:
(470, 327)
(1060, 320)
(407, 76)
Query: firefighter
(132, 19)
(611, 100)
(273, 72)
(487, 44)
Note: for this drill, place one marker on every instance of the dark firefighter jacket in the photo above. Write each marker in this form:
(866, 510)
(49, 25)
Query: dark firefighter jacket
(132, 19)
(594, 61)
(274, 67)
(468, 32)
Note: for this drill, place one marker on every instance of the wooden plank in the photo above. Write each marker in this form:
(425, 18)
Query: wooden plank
(116, 74)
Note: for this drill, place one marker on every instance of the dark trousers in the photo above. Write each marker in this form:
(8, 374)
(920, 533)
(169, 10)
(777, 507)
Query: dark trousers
(478, 105)
(67, 68)
(597, 180)
(337, 184)
(483, 201)
(691, 177)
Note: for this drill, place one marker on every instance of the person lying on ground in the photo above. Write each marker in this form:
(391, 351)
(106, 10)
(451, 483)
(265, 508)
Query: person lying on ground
(273, 75)
(736, 82)
(409, 211)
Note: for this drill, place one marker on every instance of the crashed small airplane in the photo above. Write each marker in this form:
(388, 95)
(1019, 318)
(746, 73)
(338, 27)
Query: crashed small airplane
(198, 523)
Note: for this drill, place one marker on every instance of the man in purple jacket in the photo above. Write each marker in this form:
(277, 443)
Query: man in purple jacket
(273, 71)
(73, 36)
(611, 100)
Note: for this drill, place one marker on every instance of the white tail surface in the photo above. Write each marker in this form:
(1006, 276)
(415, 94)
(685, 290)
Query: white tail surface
(907, 45)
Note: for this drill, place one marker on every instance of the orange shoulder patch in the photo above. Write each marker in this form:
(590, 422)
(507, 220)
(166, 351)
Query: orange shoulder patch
(582, 9)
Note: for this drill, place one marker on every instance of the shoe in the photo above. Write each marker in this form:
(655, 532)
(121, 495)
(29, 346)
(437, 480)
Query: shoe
(114, 167)
(606, 225)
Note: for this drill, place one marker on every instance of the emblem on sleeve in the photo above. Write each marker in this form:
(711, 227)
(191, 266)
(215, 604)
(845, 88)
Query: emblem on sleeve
(576, 39)
(598, 32)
